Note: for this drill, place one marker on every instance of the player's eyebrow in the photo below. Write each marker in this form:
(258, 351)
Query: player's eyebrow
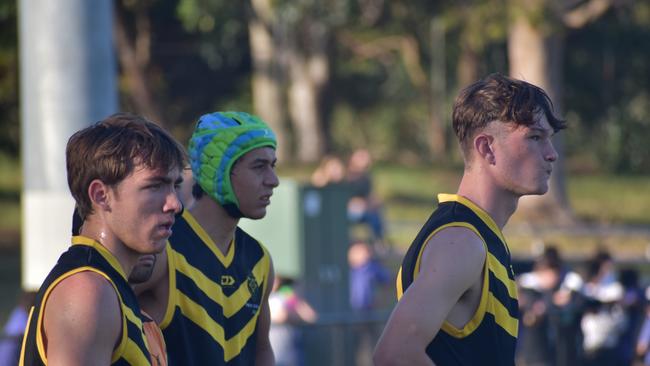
(164, 179)
(545, 131)
(264, 161)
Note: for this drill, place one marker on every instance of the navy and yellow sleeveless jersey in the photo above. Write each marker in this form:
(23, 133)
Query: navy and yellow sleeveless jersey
(489, 338)
(214, 300)
(86, 254)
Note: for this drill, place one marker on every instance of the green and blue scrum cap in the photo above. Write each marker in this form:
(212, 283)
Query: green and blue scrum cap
(219, 139)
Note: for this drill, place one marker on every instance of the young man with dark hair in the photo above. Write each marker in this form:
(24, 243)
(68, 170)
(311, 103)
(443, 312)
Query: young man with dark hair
(457, 295)
(123, 173)
(209, 291)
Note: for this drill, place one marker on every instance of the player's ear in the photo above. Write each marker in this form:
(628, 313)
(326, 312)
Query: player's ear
(99, 195)
(483, 147)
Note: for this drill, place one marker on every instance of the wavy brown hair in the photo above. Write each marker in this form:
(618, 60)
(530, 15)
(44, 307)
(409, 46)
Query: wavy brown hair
(111, 149)
(499, 98)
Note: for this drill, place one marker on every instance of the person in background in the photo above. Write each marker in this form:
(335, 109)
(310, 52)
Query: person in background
(330, 170)
(603, 321)
(551, 306)
(633, 305)
(289, 311)
(538, 339)
(366, 273)
(643, 340)
(13, 331)
(364, 206)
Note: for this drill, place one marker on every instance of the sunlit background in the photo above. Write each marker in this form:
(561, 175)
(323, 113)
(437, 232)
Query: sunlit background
(334, 77)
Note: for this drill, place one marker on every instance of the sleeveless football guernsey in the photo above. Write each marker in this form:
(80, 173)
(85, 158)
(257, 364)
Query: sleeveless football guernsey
(214, 299)
(489, 338)
(86, 254)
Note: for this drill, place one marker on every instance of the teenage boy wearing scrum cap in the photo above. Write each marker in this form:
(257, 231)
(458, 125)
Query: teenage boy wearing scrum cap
(209, 291)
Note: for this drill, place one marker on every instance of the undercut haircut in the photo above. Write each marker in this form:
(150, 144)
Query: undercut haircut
(109, 150)
(498, 98)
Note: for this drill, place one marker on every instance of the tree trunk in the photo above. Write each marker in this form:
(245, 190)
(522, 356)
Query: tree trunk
(438, 138)
(309, 72)
(268, 74)
(133, 61)
(536, 58)
(468, 66)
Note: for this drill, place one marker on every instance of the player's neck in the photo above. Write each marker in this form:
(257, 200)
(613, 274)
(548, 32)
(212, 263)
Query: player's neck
(500, 205)
(215, 221)
(100, 232)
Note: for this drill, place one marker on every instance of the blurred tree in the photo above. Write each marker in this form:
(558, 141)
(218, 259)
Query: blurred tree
(134, 55)
(535, 52)
(309, 73)
(9, 138)
(291, 51)
(267, 37)
(373, 73)
(180, 59)
(606, 95)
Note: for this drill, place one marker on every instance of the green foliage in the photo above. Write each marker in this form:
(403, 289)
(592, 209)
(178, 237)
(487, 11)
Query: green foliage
(10, 186)
(200, 61)
(606, 95)
(9, 138)
(219, 27)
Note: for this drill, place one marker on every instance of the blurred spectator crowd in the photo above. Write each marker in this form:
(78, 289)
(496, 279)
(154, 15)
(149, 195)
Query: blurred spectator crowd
(591, 315)
(364, 207)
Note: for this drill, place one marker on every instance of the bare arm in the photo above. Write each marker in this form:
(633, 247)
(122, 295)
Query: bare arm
(264, 352)
(451, 263)
(82, 321)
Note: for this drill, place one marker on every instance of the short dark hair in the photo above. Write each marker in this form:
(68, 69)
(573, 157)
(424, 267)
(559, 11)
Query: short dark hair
(499, 98)
(197, 191)
(110, 149)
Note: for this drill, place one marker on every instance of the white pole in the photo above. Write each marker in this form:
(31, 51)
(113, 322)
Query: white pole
(67, 81)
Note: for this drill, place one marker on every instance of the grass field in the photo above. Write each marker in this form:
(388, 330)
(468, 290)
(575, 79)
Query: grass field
(617, 206)
(621, 203)
(612, 210)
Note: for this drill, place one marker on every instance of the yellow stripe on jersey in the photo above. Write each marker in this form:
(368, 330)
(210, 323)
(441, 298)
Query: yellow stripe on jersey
(110, 258)
(466, 225)
(400, 290)
(230, 304)
(134, 355)
(484, 216)
(197, 314)
(477, 318)
(501, 273)
(21, 362)
(502, 317)
(130, 315)
(172, 299)
(39, 325)
(225, 260)
(479, 314)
